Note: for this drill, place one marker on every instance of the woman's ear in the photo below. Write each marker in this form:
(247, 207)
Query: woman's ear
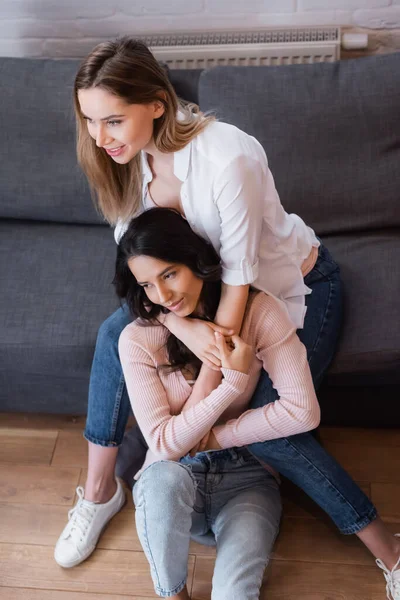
(159, 105)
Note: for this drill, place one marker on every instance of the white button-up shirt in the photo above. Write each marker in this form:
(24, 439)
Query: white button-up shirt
(229, 197)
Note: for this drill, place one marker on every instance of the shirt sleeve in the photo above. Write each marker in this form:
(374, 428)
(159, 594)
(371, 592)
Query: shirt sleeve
(284, 358)
(120, 229)
(171, 436)
(244, 192)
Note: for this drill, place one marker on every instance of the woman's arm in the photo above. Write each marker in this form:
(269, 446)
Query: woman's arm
(230, 316)
(170, 436)
(244, 193)
(284, 358)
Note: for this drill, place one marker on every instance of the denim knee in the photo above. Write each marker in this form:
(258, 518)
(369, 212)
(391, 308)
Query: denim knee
(112, 327)
(164, 481)
(164, 497)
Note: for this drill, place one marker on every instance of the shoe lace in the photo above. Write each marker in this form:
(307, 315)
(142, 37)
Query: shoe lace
(80, 516)
(392, 584)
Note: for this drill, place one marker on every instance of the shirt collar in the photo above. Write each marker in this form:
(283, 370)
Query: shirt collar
(181, 161)
(146, 171)
(181, 164)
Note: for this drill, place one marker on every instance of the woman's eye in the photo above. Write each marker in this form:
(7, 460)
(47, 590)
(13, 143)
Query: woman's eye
(113, 123)
(170, 275)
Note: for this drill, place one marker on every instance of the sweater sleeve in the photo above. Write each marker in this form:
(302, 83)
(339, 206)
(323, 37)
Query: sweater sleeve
(170, 436)
(284, 358)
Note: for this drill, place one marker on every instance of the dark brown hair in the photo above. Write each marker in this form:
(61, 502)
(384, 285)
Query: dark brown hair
(164, 234)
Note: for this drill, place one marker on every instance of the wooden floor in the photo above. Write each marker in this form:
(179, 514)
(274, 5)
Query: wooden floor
(43, 459)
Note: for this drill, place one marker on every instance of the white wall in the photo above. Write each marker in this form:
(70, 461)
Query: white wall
(69, 28)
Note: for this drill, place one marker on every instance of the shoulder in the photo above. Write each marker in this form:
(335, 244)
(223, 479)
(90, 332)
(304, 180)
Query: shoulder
(140, 336)
(266, 319)
(222, 143)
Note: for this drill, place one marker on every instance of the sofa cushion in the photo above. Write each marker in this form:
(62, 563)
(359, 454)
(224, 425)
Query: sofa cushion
(331, 132)
(39, 175)
(369, 348)
(56, 291)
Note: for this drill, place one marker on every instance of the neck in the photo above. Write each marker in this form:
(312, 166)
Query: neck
(156, 156)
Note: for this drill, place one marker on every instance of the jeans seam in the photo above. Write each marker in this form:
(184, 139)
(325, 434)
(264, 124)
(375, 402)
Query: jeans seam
(117, 406)
(147, 541)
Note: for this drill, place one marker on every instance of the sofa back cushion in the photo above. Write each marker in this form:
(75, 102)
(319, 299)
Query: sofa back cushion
(331, 133)
(39, 175)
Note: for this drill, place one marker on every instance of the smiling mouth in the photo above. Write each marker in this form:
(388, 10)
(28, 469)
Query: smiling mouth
(175, 305)
(114, 151)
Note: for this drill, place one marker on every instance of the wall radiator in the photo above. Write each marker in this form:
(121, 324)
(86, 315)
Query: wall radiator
(267, 47)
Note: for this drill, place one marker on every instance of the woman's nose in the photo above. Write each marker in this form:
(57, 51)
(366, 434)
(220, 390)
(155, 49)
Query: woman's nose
(101, 137)
(164, 294)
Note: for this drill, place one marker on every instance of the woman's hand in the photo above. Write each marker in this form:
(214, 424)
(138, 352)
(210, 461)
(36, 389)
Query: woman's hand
(209, 442)
(199, 337)
(237, 356)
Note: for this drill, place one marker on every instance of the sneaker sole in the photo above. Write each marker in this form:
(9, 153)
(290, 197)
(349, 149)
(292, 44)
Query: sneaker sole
(93, 548)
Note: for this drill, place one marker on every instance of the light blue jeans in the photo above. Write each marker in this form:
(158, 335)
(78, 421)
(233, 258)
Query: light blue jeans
(227, 493)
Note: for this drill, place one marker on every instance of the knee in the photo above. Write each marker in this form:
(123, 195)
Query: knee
(111, 328)
(168, 481)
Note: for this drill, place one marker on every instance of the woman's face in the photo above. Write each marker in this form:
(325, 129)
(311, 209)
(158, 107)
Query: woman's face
(171, 285)
(121, 129)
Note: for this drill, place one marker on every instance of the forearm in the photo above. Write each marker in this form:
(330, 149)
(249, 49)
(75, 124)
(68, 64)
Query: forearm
(230, 315)
(295, 411)
(207, 381)
(232, 306)
(172, 436)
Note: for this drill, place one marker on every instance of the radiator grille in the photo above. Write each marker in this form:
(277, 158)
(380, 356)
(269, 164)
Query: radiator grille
(199, 50)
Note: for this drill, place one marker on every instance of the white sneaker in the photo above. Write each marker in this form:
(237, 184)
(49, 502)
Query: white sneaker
(86, 522)
(392, 578)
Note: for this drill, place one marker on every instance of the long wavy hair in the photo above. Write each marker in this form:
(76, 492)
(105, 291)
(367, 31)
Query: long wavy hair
(164, 234)
(126, 68)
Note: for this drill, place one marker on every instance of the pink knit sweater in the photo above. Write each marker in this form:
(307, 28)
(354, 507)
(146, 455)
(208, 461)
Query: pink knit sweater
(158, 397)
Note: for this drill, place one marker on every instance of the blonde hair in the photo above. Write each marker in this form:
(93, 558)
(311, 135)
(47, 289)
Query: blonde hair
(127, 69)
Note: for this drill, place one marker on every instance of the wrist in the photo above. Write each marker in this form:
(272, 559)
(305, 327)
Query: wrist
(169, 320)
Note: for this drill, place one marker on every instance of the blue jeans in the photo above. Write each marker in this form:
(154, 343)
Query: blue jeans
(226, 492)
(300, 458)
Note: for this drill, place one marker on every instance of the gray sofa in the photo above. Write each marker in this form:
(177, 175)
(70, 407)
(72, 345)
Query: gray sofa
(332, 135)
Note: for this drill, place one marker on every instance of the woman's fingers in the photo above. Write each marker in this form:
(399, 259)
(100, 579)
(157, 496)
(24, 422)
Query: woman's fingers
(221, 344)
(194, 450)
(213, 359)
(224, 330)
(204, 442)
(210, 364)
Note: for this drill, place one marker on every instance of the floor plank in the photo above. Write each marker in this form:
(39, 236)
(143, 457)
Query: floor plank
(37, 485)
(7, 593)
(42, 525)
(311, 560)
(379, 464)
(42, 422)
(318, 541)
(105, 572)
(386, 497)
(71, 450)
(26, 446)
(304, 581)
(357, 436)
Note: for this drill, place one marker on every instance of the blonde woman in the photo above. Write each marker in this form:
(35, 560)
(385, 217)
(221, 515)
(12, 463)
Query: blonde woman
(141, 147)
